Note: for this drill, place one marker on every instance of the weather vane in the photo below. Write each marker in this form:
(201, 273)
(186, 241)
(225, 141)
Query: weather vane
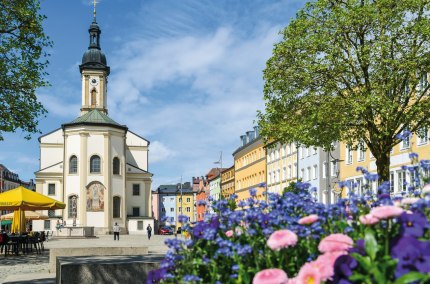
(95, 3)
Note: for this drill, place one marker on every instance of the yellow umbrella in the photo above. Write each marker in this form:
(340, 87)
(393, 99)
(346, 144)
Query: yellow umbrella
(29, 215)
(25, 199)
(21, 199)
(18, 222)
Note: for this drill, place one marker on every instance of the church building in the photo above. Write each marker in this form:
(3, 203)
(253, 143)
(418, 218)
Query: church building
(95, 165)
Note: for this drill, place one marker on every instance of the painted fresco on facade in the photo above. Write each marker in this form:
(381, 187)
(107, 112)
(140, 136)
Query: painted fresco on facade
(95, 197)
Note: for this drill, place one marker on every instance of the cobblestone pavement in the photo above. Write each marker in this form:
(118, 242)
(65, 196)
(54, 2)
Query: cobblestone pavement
(38, 263)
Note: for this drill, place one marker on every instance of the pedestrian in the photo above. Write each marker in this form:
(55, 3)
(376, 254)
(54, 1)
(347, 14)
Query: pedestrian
(149, 230)
(58, 226)
(116, 230)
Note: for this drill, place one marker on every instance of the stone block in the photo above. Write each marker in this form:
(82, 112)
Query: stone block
(106, 269)
(95, 251)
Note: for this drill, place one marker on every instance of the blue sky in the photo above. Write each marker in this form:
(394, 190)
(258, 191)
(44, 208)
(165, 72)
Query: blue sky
(186, 75)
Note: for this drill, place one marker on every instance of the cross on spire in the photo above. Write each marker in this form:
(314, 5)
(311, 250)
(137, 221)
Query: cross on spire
(94, 13)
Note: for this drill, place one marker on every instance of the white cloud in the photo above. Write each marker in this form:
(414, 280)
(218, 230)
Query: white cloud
(158, 152)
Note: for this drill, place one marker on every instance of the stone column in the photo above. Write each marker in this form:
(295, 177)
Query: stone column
(83, 173)
(148, 197)
(107, 171)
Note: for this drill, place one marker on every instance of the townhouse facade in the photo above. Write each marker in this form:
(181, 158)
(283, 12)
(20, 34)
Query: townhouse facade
(185, 201)
(250, 166)
(360, 156)
(227, 182)
(281, 162)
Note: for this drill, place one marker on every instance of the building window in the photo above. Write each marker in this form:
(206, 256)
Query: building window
(116, 207)
(333, 168)
(361, 151)
(188, 209)
(72, 206)
(139, 225)
(51, 213)
(391, 181)
(401, 175)
(423, 136)
(289, 171)
(180, 199)
(115, 166)
(136, 189)
(348, 155)
(308, 173)
(51, 189)
(188, 199)
(136, 211)
(163, 209)
(302, 174)
(95, 164)
(47, 225)
(315, 174)
(73, 165)
(172, 210)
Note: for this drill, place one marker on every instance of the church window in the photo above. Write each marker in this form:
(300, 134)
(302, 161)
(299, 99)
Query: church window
(136, 189)
(73, 165)
(93, 97)
(73, 206)
(115, 166)
(116, 207)
(136, 211)
(51, 189)
(95, 164)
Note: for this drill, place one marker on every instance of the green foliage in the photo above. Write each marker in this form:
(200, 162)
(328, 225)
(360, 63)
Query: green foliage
(350, 71)
(22, 65)
(292, 187)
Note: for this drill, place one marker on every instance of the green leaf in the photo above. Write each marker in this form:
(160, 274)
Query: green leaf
(411, 277)
(370, 244)
(364, 261)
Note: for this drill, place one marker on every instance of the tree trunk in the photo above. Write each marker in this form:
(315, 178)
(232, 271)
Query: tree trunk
(383, 164)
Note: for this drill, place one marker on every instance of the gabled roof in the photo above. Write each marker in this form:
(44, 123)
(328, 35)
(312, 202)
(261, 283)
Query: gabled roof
(95, 117)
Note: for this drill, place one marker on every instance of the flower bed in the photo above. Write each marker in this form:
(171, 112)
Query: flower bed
(291, 239)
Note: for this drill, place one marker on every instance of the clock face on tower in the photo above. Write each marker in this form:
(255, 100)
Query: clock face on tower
(94, 81)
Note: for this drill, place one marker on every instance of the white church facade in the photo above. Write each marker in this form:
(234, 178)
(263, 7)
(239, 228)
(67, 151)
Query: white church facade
(98, 167)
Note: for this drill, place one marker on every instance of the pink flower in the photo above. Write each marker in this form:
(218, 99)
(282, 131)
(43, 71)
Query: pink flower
(229, 233)
(308, 219)
(335, 242)
(282, 239)
(368, 219)
(325, 264)
(409, 200)
(385, 212)
(270, 276)
(426, 189)
(308, 274)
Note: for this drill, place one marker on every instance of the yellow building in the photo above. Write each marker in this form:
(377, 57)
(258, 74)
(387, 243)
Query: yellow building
(399, 157)
(227, 182)
(185, 204)
(281, 166)
(250, 166)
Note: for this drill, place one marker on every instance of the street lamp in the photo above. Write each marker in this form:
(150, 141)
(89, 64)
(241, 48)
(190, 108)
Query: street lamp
(219, 173)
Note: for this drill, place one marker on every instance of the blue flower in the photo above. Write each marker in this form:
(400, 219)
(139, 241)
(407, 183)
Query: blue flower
(191, 278)
(413, 224)
(412, 255)
(155, 276)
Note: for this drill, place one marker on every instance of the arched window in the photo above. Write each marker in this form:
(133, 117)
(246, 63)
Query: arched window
(93, 98)
(95, 164)
(115, 166)
(73, 206)
(73, 165)
(116, 207)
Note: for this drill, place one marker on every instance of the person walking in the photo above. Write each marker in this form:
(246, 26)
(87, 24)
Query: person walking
(116, 230)
(149, 230)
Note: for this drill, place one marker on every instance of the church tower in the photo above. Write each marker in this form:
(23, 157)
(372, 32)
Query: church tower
(94, 73)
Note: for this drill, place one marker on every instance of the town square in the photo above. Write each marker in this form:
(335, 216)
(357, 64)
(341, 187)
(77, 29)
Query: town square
(203, 141)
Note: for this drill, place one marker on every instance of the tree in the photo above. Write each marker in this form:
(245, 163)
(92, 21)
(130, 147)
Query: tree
(353, 71)
(22, 65)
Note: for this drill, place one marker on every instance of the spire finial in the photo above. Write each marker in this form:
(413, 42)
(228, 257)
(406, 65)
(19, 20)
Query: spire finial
(94, 13)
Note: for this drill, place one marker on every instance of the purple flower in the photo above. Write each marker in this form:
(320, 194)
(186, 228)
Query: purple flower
(191, 278)
(253, 192)
(413, 224)
(343, 268)
(155, 276)
(413, 255)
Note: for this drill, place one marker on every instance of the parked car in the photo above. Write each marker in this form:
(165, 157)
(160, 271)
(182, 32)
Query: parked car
(165, 230)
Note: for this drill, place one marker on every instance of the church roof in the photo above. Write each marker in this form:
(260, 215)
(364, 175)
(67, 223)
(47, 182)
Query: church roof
(95, 117)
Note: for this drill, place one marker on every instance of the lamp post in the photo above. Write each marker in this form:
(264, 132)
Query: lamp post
(219, 173)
